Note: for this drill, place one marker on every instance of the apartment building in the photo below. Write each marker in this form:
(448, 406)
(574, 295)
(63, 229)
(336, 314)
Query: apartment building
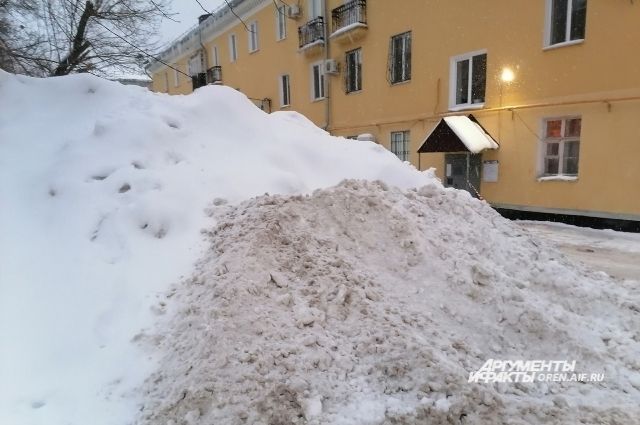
(533, 105)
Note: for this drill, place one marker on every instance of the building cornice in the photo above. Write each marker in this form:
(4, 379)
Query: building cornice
(220, 21)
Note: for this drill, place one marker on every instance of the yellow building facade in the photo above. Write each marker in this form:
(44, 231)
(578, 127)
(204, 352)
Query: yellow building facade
(555, 82)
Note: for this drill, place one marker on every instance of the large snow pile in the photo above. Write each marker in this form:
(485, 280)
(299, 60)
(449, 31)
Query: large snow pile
(367, 304)
(103, 189)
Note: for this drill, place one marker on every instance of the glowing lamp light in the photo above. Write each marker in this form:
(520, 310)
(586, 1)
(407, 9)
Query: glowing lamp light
(507, 75)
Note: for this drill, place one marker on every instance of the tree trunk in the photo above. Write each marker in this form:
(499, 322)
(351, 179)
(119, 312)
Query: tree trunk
(80, 44)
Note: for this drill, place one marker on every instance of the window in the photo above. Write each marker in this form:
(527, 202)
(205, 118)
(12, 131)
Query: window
(253, 36)
(233, 51)
(315, 9)
(166, 82)
(281, 22)
(285, 91)
(194, 66)
(468, 80)
(566, 21)
(317, 81)
(214, 56)
(354, 70)
(400, 144)
(176, 77)
(400, 58)
(561, 146)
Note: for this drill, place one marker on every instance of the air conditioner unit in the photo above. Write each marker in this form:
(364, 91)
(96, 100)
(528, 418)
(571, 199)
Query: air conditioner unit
(293, 11)
(331, 66)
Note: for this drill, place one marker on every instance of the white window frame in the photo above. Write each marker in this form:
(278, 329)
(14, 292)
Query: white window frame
(285, 90)
(176, 76)
(405, 154)
(357, 54)
(233, 48)
(322, 82)
(316, 8)
(281, 23)
(548, 21)
(453, 79)
(544, 141)
(215, 59)
(194, 65)
(253, 37)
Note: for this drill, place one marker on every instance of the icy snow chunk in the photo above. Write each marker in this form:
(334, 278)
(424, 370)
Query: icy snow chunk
(470, 133)
(312, 407)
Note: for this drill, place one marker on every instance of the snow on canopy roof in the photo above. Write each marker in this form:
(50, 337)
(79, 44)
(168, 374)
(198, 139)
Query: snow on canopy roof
(471, 134)
(458, 134)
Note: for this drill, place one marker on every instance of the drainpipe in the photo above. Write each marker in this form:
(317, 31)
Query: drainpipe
(327, 81)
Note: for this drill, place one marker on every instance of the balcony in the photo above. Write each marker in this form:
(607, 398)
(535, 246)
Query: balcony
(198, 80)
(263, 104)
(349, 21)
(311, 35)
(214, 75)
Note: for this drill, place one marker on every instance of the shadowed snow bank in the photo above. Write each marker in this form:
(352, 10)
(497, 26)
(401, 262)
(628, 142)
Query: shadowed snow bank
(103, 189)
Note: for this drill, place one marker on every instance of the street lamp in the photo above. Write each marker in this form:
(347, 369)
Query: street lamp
(507, 75)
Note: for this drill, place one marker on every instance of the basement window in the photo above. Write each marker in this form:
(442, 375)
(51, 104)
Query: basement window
(400, 144)
(561, 146)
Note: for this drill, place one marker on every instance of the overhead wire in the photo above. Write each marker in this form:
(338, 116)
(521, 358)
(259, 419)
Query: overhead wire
(246, 27)
(140, 49)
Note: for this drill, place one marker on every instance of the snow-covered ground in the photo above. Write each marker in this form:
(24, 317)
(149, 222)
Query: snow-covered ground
(616, 253)
(103, 189)
(146, 277)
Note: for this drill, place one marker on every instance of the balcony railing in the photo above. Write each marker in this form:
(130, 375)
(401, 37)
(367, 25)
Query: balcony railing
(199, 80)
(311, 32)
(264, 104)
(351, 13)
(214, 75)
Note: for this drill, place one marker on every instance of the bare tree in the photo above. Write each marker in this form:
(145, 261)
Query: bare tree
(59, 37)
(11, 25)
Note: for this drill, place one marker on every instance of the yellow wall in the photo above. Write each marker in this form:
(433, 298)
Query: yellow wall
(604, 66)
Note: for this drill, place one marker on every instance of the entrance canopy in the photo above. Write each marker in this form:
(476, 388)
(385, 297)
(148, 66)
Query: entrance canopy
(458, 134)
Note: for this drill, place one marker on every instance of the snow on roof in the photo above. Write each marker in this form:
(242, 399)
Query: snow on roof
(470, 133)
(348, 28)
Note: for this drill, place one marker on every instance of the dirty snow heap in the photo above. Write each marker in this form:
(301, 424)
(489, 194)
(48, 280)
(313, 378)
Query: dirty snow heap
(368, 304)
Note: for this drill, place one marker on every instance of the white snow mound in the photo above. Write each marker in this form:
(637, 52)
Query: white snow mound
(102, 195)
(367, 304)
